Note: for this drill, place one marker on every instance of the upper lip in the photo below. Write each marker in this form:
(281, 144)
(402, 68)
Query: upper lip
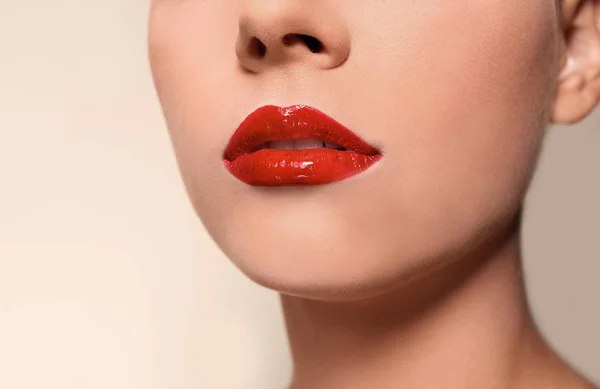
(297, 122)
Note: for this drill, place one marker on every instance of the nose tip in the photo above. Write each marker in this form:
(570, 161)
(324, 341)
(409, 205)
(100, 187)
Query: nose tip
(276, 33)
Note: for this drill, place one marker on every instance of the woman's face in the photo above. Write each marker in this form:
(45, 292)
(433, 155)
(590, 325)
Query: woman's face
(455, 94)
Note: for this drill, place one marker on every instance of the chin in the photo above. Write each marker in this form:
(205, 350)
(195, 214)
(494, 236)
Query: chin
(324, 270)
(316, 281)
(332, 262)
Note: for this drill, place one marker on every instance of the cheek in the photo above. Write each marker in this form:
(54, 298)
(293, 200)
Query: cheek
(193, 59)
(190, 53)
(470, 84)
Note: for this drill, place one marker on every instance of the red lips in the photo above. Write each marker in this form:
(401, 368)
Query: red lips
(296, 145)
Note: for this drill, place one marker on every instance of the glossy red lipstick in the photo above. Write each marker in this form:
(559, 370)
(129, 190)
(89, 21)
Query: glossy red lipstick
(296, 145)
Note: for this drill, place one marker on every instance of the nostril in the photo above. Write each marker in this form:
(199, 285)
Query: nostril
(257, 48)
(313, 44)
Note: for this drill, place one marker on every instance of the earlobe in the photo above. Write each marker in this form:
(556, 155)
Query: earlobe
(577, 95)
(578, 88)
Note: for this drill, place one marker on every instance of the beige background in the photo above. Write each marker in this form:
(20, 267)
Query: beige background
(108, 280)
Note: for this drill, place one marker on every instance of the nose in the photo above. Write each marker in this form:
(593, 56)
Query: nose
(277, 33)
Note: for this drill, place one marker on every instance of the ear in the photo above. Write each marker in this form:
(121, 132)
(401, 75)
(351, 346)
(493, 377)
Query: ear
(578, 89)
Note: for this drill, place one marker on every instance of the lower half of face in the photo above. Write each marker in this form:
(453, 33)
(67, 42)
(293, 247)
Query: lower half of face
(455, 95)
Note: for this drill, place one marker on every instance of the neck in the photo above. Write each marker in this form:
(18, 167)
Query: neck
(465, 329)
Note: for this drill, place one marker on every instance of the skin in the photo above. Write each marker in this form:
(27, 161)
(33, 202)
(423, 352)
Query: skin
(408, 275)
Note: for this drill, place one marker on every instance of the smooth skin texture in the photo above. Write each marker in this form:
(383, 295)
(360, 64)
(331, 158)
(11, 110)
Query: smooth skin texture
(408, 275)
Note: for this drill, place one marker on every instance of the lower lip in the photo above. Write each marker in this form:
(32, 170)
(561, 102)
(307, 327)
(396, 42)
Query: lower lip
(269, 167)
